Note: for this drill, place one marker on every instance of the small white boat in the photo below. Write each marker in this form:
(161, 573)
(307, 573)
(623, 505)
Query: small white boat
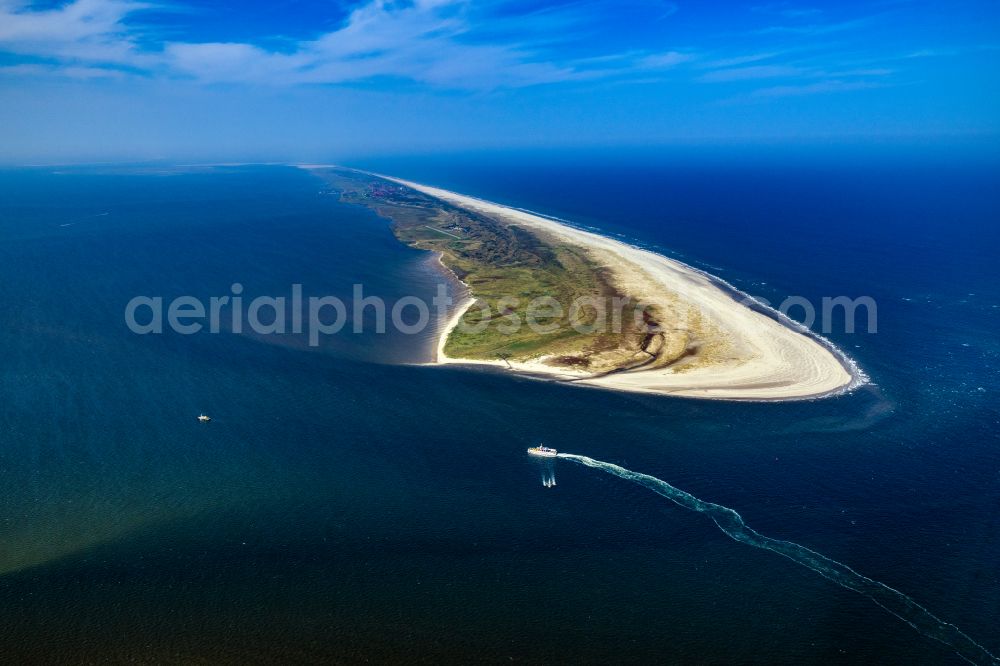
(543, 451)
(203, 418)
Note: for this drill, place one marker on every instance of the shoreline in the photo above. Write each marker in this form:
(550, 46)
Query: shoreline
(772, 357)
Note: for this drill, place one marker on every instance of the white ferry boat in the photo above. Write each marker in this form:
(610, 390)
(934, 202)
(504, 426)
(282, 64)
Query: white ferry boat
(543, 451)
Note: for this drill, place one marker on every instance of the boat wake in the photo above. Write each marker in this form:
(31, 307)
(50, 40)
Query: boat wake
(547, 471)
(732, 524)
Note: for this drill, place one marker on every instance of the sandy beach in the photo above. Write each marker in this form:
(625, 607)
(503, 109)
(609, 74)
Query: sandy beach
(753, 356)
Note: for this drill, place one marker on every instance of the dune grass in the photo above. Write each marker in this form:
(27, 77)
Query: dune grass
(508, 270)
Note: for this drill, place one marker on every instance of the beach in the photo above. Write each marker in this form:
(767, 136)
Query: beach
(751, 355)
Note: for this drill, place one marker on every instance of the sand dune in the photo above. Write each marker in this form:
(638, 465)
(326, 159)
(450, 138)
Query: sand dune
(754, 356)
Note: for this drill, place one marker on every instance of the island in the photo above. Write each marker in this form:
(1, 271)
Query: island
(545, 298)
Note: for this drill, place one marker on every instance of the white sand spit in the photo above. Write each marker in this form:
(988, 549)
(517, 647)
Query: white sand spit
(763, 359)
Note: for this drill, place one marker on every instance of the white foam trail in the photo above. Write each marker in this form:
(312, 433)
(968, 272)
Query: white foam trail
(547, 468)
(732, 524)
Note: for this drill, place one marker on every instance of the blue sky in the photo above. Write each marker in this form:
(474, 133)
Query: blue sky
(321, 80)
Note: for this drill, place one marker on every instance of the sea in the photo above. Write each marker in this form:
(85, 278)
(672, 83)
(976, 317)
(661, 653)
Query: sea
(350, 503)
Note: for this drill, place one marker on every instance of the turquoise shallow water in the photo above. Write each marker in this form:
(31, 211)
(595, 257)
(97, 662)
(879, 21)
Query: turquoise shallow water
(343, 505)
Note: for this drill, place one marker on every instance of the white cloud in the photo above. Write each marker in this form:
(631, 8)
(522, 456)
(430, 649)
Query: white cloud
(87, 30)
(788, 11)
(72, 72)
(664, 60)
(739, 60)
(750, 73)
(434, 43)
(931, 53)
(440, 43)
(870, 71)
(814, 29)
(422, 42)
(820, 87)
(214, 61)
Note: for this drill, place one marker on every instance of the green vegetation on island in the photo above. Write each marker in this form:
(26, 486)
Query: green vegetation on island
(514, 274)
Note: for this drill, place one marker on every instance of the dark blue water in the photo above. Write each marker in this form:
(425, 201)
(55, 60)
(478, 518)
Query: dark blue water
(344, 505)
